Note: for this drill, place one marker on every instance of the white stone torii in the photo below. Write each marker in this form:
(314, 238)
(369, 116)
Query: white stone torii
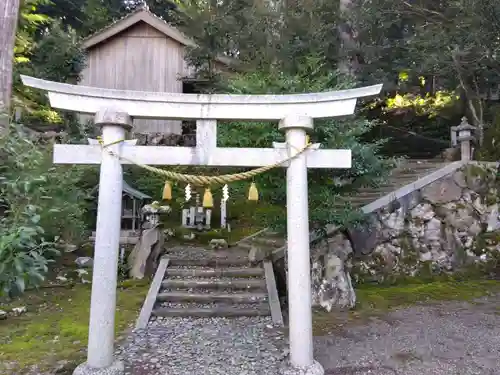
(114, 111)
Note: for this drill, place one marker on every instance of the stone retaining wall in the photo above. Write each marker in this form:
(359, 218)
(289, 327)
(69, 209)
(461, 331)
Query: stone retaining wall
(447, 226)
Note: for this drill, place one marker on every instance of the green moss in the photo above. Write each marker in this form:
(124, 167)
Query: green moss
(409, 255)
(461, 254)
(440, 211)
(418, 221)
(484, 241)
(55, 326)
(404, 295)
(474, 170)
(425, 271)
(376, 301)
(491, 197)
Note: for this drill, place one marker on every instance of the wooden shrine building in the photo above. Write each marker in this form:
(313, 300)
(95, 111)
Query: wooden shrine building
(131, 218)
(141, 52)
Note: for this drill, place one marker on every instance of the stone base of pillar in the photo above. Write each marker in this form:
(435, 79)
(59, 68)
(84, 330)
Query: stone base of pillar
(314, 369)
(117, 368)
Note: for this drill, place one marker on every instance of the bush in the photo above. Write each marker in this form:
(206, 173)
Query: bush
(43, 205)
(24, 254)
(326, 187)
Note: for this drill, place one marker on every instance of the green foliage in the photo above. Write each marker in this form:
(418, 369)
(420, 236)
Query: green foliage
(490, 151)
(325, 186)
(42, 205)
(274, 35)
(216, 27)
(453, 44)
(24, 254)
(29, 21)
(55, 55)
(58, 55)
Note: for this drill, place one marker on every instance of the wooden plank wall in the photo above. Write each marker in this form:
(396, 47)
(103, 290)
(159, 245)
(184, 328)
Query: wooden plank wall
(141, 58)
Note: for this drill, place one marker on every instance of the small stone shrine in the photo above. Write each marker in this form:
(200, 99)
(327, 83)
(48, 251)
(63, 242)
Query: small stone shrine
(199, 216)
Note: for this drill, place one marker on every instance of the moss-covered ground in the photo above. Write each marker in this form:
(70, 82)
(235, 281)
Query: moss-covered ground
(54, 329)
(376, 301)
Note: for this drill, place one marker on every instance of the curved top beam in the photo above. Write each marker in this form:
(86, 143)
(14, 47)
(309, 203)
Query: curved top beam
(161, 105)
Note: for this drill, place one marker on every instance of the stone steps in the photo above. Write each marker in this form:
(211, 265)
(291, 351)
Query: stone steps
(409, 172)
(235, 298)
(195, 271)
(208, 262)
(219, 311)
(212, 283)
(223, 290)
(233, 284)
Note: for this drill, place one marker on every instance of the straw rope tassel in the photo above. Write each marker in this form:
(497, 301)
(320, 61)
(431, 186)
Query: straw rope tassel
(208, 201)
(167, 191)
(253, 193)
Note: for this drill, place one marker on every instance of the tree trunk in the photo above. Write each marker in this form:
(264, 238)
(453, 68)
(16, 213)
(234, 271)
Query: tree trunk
(348, 43)
(9, 10)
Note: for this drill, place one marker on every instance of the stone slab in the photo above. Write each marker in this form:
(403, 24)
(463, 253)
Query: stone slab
(149, 303)
(272, 291)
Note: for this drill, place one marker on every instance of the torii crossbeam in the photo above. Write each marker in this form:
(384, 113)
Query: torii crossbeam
(114, 110)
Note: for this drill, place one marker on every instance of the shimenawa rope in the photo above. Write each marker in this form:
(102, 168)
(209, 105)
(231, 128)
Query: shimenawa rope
(205, 180)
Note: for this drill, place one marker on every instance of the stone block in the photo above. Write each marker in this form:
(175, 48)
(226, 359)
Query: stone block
(365, 238)
(256, 254)
(117, 368)
(314, 369)
(442, 191)
(218, 243)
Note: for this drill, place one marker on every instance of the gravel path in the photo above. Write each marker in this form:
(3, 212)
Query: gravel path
(453, 338)
(181, 346)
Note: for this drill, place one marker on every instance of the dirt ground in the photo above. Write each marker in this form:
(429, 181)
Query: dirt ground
(448, 338)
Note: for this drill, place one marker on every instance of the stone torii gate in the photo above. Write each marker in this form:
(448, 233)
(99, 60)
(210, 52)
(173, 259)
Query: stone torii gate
(114, 111)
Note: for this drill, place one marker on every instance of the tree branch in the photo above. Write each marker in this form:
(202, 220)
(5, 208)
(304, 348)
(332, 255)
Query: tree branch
(423, 11)
(476, 119)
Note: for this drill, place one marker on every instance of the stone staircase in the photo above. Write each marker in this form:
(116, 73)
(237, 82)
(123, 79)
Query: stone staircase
(199, 283)
(408, 172)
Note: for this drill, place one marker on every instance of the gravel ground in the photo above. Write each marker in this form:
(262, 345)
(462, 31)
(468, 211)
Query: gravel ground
(453, 338)
(180, 346)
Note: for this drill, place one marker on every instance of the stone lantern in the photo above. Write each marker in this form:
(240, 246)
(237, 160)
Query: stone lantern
(463, 134)
(152, 212)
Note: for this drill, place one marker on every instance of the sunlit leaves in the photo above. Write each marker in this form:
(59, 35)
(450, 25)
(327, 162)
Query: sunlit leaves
(428, 104)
